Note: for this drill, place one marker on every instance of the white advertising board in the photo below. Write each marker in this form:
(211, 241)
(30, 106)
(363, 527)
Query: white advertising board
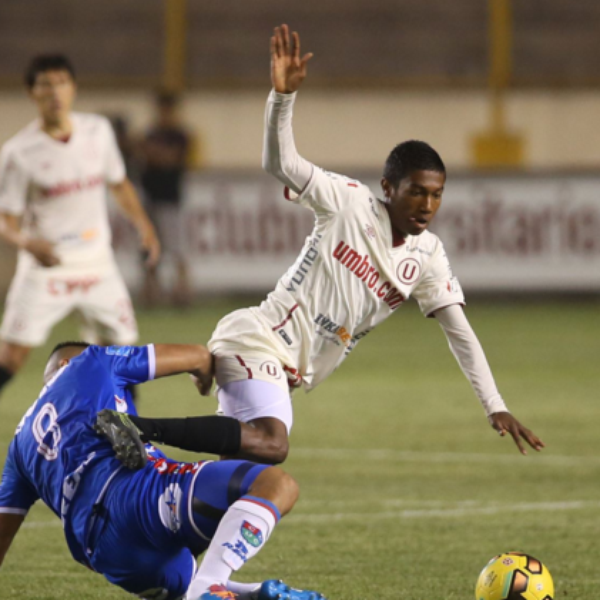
(528, 233)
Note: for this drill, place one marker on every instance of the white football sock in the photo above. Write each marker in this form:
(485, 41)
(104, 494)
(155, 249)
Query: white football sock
(246, 591)
(242, 532)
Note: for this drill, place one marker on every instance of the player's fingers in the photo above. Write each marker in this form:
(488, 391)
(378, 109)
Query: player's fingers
(532, 439)
(285, 34)
(273, 46)
(305, 59)
(514, 432)
(278, 42)
(296, 48)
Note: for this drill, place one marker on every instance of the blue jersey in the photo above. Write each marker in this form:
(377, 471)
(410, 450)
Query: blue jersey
(55, 454)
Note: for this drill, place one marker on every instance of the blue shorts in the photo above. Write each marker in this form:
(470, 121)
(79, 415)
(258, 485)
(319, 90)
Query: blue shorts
(154, 521)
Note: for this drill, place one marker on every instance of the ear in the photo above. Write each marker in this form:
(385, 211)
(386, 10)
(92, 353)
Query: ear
(63, 362)
(386, 187)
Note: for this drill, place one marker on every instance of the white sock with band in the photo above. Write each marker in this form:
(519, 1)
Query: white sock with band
(242, 532)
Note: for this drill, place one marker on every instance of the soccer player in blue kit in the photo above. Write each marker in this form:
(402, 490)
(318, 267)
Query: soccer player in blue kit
(141, 529)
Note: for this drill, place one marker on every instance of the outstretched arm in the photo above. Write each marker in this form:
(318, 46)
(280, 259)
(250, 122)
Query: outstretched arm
(288, 70)
(470, 356)
(195, 359)
(9, 525)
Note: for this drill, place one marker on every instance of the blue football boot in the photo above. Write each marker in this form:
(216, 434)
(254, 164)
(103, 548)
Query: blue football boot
(277, 590)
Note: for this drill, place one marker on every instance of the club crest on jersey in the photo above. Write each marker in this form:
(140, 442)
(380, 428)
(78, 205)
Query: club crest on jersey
(253, 535)
(408, 271)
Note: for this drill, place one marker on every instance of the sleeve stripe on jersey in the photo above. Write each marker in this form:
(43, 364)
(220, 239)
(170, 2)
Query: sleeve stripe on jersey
(151, 362)
(13, 511)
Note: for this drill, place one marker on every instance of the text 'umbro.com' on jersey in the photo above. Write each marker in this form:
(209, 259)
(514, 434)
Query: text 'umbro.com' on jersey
(59, 187)
(348, 278)
(55, 454)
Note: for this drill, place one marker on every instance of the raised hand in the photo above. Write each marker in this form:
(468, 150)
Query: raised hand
(288, 70)
(504, 422)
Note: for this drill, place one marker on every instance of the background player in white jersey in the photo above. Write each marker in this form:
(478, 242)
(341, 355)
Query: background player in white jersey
(54, 176)
(364, 258)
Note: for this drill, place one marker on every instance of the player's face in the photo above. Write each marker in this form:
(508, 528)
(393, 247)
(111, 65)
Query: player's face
(414, 202)
(53, 92)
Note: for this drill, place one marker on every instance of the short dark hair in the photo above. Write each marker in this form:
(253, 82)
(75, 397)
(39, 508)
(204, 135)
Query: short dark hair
(69, 344)
(409, 156)
(47, 62)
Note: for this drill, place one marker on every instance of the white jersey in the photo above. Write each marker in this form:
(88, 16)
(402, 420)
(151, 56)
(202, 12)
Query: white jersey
(60, 187)
(348, 278)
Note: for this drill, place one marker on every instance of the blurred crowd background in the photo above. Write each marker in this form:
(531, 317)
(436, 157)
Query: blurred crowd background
(508, 91)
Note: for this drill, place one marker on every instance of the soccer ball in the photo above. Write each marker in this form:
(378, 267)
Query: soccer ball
(514, 576)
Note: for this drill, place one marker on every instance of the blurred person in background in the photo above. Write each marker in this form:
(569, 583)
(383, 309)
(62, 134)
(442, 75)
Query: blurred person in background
(54, 178)
(126, 143)
(166, 151)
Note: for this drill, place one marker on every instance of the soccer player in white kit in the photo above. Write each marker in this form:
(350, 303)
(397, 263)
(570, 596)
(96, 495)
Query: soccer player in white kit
(54, 178)
(365, 257)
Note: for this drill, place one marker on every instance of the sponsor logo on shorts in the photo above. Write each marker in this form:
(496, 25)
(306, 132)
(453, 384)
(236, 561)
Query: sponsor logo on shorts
(253, 535)
(169, 507)
(66, 287)
(166, 466)
(121, 404)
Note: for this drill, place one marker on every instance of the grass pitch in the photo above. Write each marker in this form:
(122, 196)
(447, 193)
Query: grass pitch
(406, 492)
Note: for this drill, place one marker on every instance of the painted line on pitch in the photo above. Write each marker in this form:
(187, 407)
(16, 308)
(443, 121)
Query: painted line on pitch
(443, 513)
(443, 457)
(433, 513)
(41, 524)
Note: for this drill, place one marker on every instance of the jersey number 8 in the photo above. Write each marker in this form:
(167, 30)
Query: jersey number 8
(45, 426)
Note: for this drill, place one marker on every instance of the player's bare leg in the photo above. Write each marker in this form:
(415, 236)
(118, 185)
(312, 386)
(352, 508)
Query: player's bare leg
(12, 358)
(264, 440)
(241, 534)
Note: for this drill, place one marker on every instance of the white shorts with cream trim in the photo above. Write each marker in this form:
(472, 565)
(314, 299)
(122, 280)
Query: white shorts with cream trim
(39, 298)
(253, 385)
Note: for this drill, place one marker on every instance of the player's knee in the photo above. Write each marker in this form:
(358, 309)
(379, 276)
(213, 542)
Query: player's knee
(278, 486)
(290, 487)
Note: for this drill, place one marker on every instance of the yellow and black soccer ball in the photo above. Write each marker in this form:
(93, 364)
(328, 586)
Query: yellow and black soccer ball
(514, 576)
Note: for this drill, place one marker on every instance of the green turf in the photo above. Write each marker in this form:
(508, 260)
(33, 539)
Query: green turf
(406, 491)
